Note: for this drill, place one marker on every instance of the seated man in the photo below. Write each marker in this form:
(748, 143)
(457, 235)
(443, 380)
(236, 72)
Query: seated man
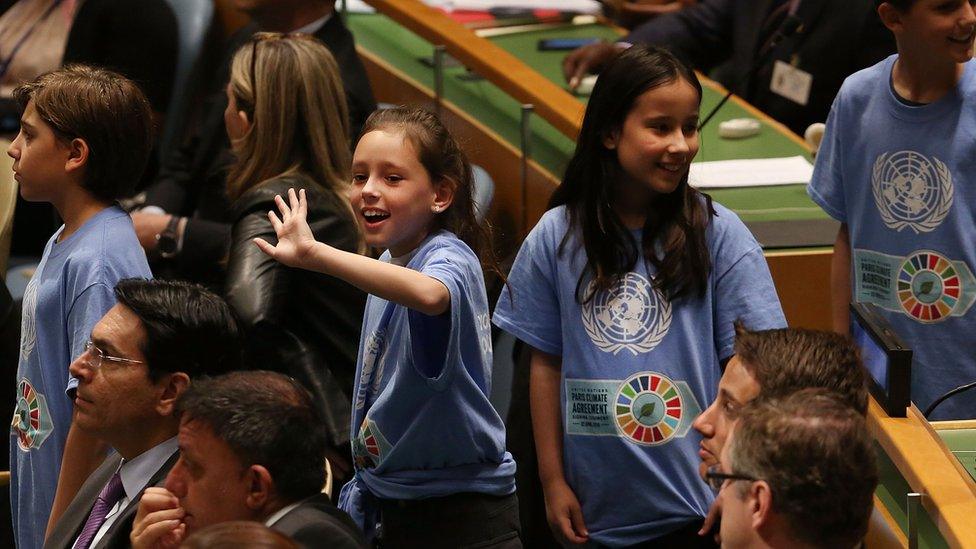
(831, 40)
(250, 449)
(142, 356)
(777, 363)
(796, 472)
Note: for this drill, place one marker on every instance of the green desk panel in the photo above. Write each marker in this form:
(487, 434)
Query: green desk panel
(756, 206)
(962, 444)
(893, 492)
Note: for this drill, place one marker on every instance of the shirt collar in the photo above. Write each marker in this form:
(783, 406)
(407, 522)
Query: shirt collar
(280, 513)
(314, 26)
(137, 471)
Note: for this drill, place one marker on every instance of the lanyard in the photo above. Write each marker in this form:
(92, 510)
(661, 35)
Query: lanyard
(5, 63)
(367, 379)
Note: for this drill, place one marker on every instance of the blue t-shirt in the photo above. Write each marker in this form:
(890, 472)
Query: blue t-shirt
(903, 179)
(422, 424)
(636, 370)
(72, 288)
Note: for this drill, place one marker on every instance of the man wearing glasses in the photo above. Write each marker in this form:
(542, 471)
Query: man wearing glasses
(796, 472)
(142, 356)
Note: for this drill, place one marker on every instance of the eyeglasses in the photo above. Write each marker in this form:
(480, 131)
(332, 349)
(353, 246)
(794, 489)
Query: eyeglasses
(94, 356)
(716, 478)
(267, 37)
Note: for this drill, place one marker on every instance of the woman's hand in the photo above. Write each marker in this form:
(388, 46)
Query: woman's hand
(564, 513)
(295, 239)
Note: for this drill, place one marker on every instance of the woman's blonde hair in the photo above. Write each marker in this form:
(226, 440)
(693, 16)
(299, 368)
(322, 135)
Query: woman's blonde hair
(289, 86)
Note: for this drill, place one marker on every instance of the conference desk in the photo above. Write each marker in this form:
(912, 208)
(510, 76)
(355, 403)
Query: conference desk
(937, 460)
(960, 439)
(483, 107)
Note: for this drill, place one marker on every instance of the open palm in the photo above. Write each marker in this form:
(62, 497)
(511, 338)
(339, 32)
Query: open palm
(295, 239)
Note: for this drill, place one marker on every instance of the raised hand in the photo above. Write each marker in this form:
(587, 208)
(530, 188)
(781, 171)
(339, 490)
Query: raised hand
(159, 521)
(295, 239)
(585, 60)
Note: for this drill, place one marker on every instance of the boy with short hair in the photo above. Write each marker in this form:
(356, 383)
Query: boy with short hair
(84, 141)
(896, 169)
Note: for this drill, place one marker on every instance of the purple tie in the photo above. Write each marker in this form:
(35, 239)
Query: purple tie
(107, 499)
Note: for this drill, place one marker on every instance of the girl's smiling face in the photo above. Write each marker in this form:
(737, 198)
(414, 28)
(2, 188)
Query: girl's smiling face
(657, 140)
(393, 195)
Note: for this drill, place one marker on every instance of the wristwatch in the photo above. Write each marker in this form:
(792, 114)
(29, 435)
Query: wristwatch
(168, 242)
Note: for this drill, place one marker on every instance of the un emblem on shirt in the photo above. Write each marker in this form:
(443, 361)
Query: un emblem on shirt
(648, 408)
(911, 190)
(372, 373)
(633, 315)
(28, 327)
(32, 421)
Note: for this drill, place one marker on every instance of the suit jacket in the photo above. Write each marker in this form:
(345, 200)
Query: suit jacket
(68, 528)
(316, 522)
(140, 43)
(836, 39)
(192, 180)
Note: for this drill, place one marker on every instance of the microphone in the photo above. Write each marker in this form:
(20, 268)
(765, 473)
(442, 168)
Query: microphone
(952, 393)
(786, 29)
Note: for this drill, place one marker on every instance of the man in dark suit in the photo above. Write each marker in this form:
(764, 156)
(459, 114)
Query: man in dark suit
(832, 39)
(142, 356)
(250, 449)
(185, 226)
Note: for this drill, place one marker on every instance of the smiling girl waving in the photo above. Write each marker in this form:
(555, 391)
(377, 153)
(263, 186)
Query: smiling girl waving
(429, 448)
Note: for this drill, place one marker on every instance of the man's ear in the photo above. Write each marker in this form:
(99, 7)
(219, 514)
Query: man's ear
(174, 385)
(443, 195)
(760, 501)
(890, 16)
(260, 487)
(78, 152)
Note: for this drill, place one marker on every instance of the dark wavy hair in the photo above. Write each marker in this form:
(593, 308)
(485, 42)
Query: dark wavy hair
(787, 360)
(679, 219)
(442, 157)
(267, 419)
(188, 328)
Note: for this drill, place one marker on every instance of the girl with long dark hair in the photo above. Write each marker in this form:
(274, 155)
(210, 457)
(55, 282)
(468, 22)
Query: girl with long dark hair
(626, 292)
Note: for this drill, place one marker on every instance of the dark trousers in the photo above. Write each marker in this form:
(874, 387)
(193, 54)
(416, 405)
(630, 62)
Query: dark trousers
(466, 520)
(685, 537)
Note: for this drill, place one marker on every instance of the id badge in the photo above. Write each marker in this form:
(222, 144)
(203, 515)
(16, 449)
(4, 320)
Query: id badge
(791, 82)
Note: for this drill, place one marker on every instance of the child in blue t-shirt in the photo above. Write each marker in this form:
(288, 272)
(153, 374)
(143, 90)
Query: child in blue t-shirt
(429, 448)
(627, 291)
(84, 140)
(896, 169)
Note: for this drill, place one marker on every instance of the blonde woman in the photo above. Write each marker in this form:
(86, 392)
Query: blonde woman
(288, 126)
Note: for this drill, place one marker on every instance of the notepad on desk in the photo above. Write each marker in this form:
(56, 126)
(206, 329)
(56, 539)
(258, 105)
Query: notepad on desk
(757, 172)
